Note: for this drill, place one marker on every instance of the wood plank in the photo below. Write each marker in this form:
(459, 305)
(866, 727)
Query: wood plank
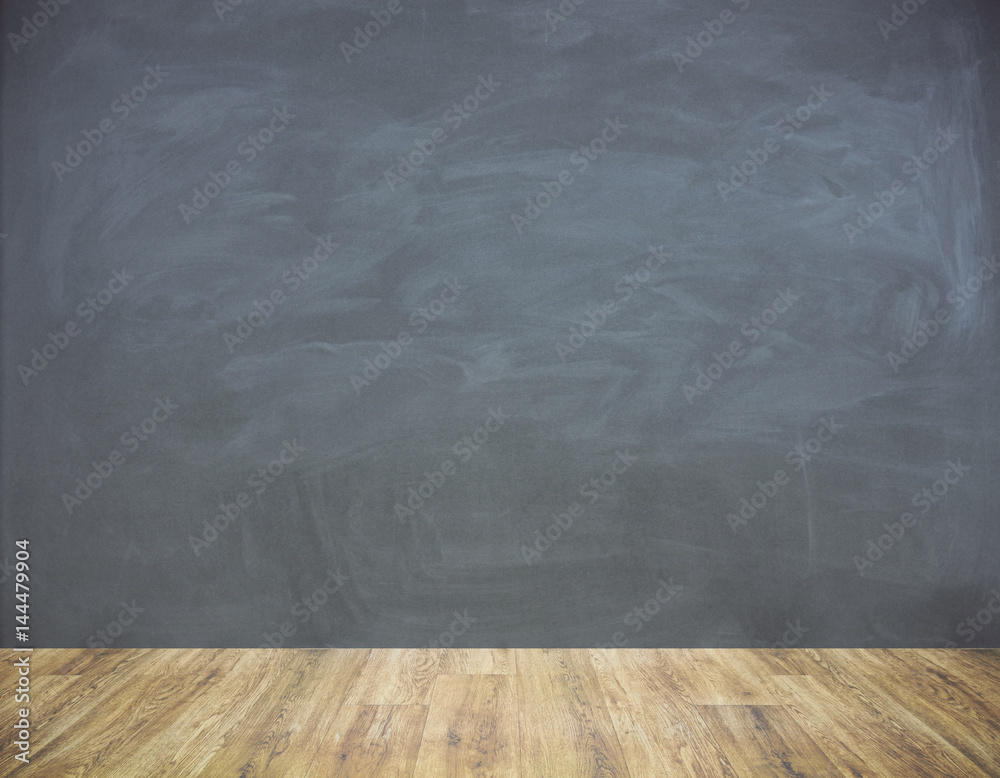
(987, 658)
(658, 732)
(766, 742)
(395, 677)
(851, 727)
(313, 719)
(106, 750)
(86, 698)
(476, 661)
(272, 739)
(906, 683)
(829, 663)
(263, 733)
(198, 663)
(113, 712)
(980, 668)
(565, 730)
(371, 740)
(45, 695)
(960, 689)
(808, 661)
(86, 709)
(722, 677)
(471, 729)
(104, 660)
(195, 738)
(799, 695)
(780, 661)
(230, 734)
(43, 661)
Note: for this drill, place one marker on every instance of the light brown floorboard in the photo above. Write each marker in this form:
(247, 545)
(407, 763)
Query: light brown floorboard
(471, 728)
(370, 740)
(573, 712)
(659, 733)
(565, 729)
(395, 677)
(766, 742)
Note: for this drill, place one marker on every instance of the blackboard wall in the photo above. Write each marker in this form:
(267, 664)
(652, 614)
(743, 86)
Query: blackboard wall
(652, 323)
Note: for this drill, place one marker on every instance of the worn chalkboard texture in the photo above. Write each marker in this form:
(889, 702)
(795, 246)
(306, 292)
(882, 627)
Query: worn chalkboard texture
(642, 323)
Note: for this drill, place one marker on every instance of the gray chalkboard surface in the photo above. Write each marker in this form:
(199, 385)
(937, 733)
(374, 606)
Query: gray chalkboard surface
(488, 323)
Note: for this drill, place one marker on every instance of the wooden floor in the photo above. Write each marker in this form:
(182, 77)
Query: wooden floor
(519, 712)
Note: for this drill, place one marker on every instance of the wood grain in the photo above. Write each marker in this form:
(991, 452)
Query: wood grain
(766, 741)
(718, 677)
(471, 728)
(564, 727)
(478, 661)
(935, 705)
(370, 740)
(269, 727)
(526, 712)
(395, 677)
(204, 724)
(659, 733)
(853, 726)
